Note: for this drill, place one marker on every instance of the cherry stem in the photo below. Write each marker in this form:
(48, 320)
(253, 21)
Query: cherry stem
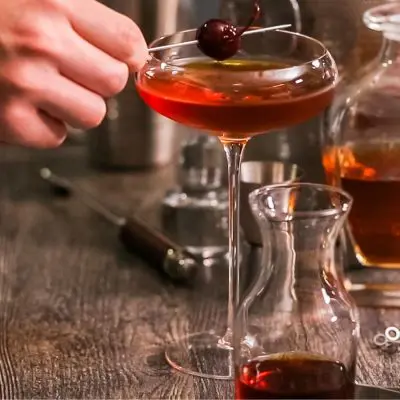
(256, 14)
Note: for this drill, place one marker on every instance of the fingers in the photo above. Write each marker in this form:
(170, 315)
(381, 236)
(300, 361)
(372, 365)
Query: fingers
(39, 103)
(59, 60)
(69, 102)
(92, 68)
(24, 125)
(110, 31)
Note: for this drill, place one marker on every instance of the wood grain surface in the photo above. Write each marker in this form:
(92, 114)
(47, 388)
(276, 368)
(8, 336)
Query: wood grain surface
(79, 318)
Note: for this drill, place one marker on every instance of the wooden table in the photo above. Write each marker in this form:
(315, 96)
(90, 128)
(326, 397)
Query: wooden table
(82, 319)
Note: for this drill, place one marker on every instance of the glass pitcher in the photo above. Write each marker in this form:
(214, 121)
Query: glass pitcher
(297, 328)
(363, 151)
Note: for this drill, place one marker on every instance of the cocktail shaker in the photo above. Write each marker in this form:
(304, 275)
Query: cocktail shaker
(132, 135)
(195, 212)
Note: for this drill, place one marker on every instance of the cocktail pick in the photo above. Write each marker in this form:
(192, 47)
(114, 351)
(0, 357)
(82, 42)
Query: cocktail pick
(192, 42)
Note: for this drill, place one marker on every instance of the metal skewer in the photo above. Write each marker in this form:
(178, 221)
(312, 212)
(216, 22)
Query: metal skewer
(192, 42)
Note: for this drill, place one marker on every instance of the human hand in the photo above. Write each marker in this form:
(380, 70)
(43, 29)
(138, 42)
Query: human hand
(59, 61)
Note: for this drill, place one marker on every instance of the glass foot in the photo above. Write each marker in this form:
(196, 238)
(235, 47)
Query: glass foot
(202, 354)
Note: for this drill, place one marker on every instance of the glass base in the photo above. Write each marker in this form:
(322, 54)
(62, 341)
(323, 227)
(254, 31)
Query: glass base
(202, 354)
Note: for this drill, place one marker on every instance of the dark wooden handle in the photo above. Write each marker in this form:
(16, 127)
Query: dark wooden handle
(145, 242)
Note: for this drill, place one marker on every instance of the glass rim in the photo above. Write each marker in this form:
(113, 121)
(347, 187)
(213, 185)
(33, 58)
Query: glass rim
(375, 19)
(327, 212)
(325, 52)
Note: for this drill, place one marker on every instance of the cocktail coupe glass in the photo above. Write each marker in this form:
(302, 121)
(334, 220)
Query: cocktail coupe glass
(277, 79)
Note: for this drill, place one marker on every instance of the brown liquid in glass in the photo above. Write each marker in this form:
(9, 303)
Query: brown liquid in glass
(294, 377)
(235, 99)
(370, 172)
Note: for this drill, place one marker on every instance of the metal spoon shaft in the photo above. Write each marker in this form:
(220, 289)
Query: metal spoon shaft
(84, 195)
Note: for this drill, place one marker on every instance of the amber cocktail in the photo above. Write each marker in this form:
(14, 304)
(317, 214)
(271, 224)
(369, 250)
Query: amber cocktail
(237, 98)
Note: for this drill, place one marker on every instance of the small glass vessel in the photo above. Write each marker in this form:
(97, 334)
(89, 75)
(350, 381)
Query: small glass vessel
(297, 328)
(362, 153)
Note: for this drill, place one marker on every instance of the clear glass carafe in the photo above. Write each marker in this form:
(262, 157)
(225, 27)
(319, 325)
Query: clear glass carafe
(297, 328)
(362, 153)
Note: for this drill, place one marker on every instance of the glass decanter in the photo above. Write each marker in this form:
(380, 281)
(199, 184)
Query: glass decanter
(297, 328)
(362, 152)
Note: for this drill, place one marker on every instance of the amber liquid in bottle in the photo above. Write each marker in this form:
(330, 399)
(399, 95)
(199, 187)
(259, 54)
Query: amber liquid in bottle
(294, 376)
(370, 172)
(234, 98)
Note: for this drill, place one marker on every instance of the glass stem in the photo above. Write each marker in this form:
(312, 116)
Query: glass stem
(234, 152)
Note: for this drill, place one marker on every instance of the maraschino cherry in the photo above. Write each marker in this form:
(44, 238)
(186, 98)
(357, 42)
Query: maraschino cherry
(220, 39)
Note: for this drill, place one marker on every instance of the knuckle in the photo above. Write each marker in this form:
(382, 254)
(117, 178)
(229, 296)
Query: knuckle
(21, 77)
(116, 79)
(35, 34)
(55, 5)
(27, 36)
(28, 26)
(44, 44)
